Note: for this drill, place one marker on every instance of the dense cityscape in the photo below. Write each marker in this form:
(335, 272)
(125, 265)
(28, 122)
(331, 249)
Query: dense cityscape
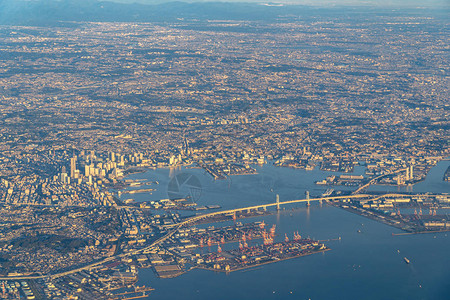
(83, 105)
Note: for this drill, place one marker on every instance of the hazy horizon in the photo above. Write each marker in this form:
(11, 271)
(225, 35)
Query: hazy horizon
(411, 3)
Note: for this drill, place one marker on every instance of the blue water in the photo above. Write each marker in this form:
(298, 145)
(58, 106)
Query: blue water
(362, 265)
(243, 190)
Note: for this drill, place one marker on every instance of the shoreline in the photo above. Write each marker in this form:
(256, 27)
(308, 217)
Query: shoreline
(263, 263)
(386, 221)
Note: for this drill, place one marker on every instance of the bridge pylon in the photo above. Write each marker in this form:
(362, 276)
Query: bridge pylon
(278, 202)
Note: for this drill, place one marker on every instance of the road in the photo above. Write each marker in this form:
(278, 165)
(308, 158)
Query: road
(372, 181)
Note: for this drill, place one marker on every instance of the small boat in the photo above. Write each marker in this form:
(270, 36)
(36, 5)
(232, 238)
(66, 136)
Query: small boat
(406, 260)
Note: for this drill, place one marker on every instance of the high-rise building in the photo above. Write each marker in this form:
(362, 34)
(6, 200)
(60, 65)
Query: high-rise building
(87, 170)
(63, 177)
(73, 166)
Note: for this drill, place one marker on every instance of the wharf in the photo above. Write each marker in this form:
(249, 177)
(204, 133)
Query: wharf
(400, 223)
(168, 271)
(136, 191)
(244, 258)
(421, 232)
(138, 293)
(262, 263)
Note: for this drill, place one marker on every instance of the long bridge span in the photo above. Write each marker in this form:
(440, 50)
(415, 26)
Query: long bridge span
(279, 204)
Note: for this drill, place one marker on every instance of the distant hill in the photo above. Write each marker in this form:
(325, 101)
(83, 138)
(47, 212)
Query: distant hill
(51, 11)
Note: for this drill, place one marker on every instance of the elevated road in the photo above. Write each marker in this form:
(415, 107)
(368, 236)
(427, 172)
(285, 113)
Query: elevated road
(374, 180)
(93, 265)
(279, 204)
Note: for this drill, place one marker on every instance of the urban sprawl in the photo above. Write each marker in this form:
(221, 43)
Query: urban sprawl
(85, 104)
